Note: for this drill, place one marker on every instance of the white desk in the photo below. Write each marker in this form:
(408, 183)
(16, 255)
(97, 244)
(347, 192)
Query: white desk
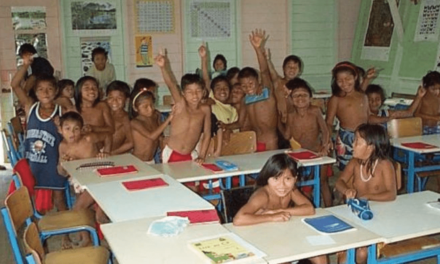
(131, 244)
(395, 101)
(286, 241)
(121, 205)
(86, 177)
(429, 139)
(247, 164)
(405, 218)
(322, 95)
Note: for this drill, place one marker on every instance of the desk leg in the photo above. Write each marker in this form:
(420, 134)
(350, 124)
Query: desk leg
(410, 180)
(316, 186)
(242, 179)
(372, 258)
(351, 256)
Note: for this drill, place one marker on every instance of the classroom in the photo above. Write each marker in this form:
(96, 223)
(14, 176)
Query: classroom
(286, 131)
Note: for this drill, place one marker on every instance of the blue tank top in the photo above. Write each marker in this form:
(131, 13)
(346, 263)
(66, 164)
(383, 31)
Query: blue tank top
(41, 148)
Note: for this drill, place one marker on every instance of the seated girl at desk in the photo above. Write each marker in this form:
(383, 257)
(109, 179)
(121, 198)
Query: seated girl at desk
(276, 197)
(370, 174)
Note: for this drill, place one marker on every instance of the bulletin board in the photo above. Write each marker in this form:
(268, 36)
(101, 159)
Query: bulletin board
(427, 25)
(154, 16)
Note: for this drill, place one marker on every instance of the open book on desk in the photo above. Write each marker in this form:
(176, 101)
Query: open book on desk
(328, 224)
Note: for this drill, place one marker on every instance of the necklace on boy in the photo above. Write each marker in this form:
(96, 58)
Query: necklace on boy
(371, 175)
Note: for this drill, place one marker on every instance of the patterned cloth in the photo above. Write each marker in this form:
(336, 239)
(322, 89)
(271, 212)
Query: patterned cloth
(428, 130)
(344, 147)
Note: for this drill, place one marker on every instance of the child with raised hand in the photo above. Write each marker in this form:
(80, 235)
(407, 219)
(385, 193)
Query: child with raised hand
(262, 114)
(96, 114)
(276, 197)
(117, 94)
(370, 174)
(77, 146)
(102, 70)
(429, 108)
(237, 101)
(191, 117)
(145, 126)
(306, 125)
(350, 105)
(381, 115)
(65, 94)
(42, 137)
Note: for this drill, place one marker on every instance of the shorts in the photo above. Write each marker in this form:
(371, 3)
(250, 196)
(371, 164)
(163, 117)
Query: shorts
(344, 147)
(169, 155)
(428, 130)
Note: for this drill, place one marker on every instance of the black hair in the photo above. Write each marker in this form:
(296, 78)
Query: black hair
(98, 50)
(45, 78)
(26, 48)
(222, 58)
(144, 83)
(136, 96)
(376, 136)
(230, 74)
(344, 66)
(78, 92)
(63, 83)
(295, 59)
(191, 78)
(247, 72)
(430, 79)
(374, 88)
(361, 71)
(297, 83)
(275, 166)
(41, 66)
(220, 79)
(72, 116)
(119, 86)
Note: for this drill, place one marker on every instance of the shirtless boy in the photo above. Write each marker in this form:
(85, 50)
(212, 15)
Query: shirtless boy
(117, 94)
(429, 108)
(262, 114)
(191, 119)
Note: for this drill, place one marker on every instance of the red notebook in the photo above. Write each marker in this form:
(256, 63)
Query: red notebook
(303, 155)
(144, 184)
(198, 216)
(419, 145)
(212, 167)
(117, 170)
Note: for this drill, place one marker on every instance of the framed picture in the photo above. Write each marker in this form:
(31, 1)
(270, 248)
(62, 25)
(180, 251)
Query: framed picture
(87, 15)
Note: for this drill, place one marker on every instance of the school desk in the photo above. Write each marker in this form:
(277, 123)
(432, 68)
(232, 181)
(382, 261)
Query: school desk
(294, 240)
(164, 109)
(395, 101)
(121, 205)
(405, 218)
(130, 242)
(246, 163)
(88, 176)
(410, 156)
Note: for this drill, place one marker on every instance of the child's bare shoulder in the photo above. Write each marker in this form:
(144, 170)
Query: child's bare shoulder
(316, 110)
(102, 105)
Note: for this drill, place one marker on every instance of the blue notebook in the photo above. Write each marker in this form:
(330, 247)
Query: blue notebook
(250, 99)
(328, 224)
(226, 165)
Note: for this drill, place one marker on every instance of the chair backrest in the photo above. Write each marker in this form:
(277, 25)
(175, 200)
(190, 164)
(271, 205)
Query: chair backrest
(233, 199)
(240, 143)
(402, 95)
(405, 127)
(398, 169)
(33, 243)
(25, 176)
(16, 125)
(19, 207)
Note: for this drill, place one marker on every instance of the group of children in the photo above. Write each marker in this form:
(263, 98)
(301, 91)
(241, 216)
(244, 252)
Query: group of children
(67, 121)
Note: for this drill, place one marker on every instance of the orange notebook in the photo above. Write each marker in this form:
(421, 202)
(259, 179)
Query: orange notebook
(117, 170)
(419, 145)
(144, 184)
(303, 155)
(198, 216)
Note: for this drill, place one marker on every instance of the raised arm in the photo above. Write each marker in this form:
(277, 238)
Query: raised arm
(203, 53)
(412, 108)
(161, 61)
(21, 94)
(273, 73)
(369, 76)
(284, 128)
(257, 39)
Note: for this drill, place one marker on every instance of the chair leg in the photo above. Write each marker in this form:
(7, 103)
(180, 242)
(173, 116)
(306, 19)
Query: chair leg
(12, 238)
(68, 195)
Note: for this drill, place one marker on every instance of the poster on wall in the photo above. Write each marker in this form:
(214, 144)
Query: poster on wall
(144, 51)
(154, 16)
(210, 19)
(28, 17)
(91, 18)
(87, 46)
(377, 40)
(427, 23)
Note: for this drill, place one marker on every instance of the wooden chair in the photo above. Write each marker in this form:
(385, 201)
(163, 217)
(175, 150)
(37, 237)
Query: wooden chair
(402, 95)
(233, 199)
(85, 255)
(18, 211)
(405, 127)
(240, 143)
(10, 148)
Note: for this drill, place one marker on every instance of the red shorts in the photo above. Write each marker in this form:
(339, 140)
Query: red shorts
(261, 146)
(43, 200)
